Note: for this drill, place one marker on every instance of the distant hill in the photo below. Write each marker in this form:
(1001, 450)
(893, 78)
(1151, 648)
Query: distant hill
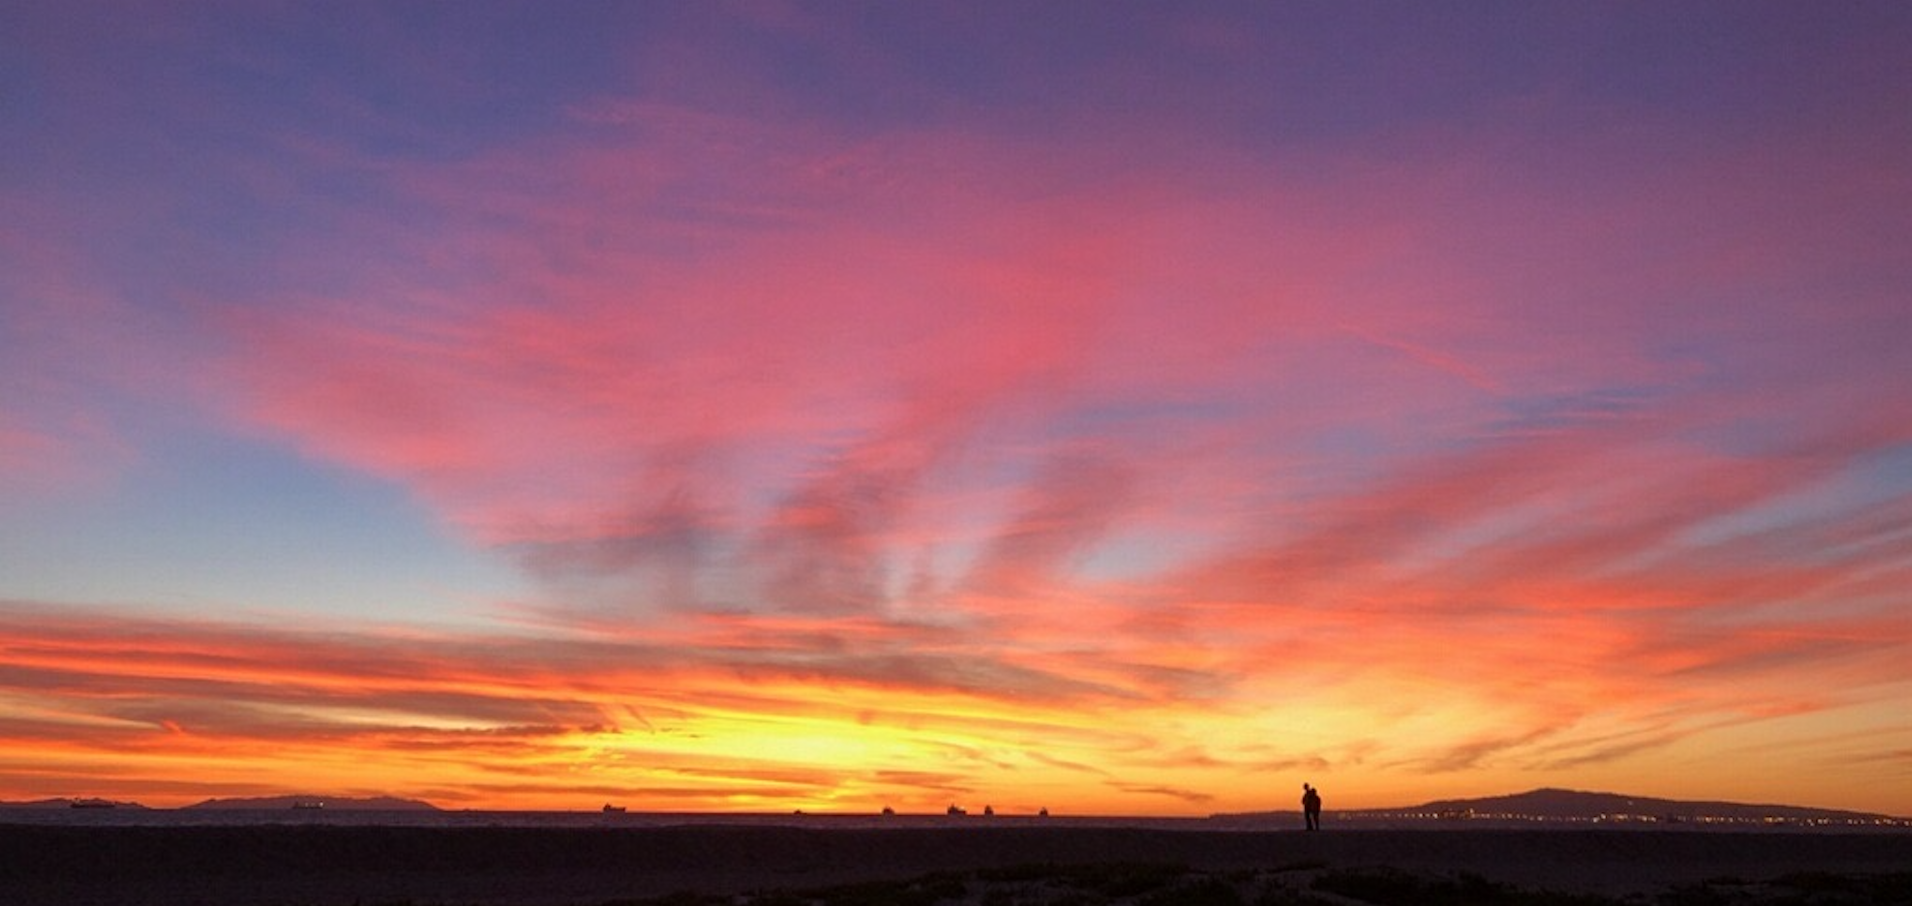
(1556, 803)
(68, 803)
(337, 803)
(1576, 805)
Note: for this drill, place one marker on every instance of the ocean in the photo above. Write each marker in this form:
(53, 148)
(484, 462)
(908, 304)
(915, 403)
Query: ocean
(158, 817)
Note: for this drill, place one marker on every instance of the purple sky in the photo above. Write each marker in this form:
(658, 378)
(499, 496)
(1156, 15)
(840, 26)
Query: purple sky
(1120, 407)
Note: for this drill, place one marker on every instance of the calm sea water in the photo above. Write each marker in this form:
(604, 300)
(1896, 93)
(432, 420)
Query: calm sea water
(130, 817)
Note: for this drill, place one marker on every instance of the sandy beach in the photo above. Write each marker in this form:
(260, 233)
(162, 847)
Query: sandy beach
(322, 866)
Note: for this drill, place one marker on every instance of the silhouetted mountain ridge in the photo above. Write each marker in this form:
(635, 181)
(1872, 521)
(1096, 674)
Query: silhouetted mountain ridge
(1558, 803)
(335, 803)
(69, 802)
(1554, 804)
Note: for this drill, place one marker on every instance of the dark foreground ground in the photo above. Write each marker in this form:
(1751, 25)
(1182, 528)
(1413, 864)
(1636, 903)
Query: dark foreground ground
(784, 866)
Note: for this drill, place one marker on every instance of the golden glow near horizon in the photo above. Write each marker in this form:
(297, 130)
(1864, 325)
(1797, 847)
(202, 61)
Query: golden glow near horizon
(689, 738)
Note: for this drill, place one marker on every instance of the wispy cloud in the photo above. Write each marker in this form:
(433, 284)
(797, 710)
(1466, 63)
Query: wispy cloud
(1106, 421)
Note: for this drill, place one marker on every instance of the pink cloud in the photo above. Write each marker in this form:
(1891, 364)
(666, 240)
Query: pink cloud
(949, 412)
(684, 331)
(1565, 439)
(36, 459)
(69, 349)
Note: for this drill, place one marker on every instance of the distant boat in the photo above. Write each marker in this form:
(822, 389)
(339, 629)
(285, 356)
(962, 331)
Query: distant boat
(956, 810)
(308, 804)
(989, 811)
(1044, 813)
(888, 811)
(610, 809)
(92, 803)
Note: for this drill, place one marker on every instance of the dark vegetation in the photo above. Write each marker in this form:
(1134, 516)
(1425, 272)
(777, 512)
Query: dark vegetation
(1130, 884)
(1799, 889)
(1390, 887)
(763, 866)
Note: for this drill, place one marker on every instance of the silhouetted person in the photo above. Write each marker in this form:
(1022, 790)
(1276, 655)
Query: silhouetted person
(1311, 807)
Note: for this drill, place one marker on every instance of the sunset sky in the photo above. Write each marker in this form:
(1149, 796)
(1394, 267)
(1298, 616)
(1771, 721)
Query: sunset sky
(1119, 408)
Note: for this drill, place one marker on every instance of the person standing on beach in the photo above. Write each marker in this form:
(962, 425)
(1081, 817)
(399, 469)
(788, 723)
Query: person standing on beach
(1311, 807)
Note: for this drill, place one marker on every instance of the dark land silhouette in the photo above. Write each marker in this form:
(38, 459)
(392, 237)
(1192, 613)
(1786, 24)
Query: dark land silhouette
(1573, 808)
(65, 802)
(337, 803)
(323, 865)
